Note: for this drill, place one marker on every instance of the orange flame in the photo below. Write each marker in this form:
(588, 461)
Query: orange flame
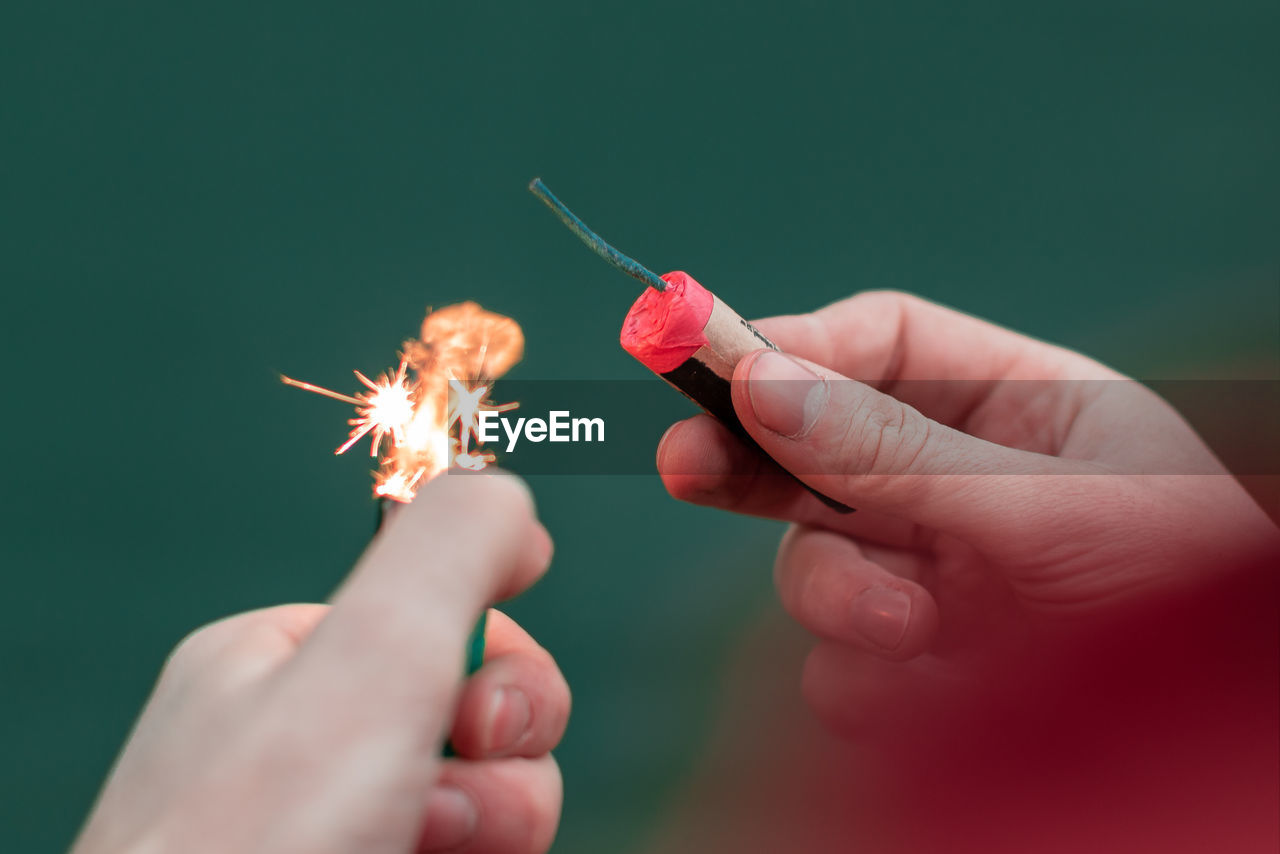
(443, 382)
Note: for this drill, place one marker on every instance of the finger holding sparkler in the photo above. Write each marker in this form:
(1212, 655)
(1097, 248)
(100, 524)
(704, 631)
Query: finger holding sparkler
(319, 727)
(516, 704)
(462, 544)
(429, 409)
(349, 707)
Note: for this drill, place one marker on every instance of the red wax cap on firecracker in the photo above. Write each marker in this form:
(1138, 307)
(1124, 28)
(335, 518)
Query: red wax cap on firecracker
(664, 328)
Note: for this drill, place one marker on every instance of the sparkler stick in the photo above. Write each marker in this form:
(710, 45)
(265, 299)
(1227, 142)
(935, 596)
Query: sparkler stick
(681, 331)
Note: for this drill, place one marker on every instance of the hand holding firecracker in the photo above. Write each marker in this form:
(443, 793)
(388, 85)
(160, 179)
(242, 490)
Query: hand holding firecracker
(794, 438)
(1052, 621)
(1020, 597)
(317, 728)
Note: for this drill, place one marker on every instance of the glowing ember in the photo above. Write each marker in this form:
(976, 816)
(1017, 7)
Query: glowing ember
(442, 383)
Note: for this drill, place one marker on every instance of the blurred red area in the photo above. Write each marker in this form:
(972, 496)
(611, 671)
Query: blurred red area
(1154, 730)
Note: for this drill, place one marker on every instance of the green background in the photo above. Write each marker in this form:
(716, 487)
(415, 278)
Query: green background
(197, 197)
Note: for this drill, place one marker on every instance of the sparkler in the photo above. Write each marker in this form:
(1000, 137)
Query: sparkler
(428, 409)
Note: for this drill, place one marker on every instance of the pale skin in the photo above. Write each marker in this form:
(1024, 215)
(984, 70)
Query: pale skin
(319, 728)
(984, 517)
(987, 508)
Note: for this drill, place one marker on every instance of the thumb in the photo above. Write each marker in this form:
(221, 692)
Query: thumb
(868, 450)
(390, 653)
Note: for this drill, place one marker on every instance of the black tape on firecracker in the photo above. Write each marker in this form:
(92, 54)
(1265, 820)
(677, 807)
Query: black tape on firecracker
(700, 383)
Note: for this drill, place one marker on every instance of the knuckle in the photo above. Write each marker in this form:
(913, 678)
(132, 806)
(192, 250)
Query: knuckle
(890, 308)
(198, 645)
(883, 437)
(782, 561)
(540, 806)
(885, 297)
(561, 707)
(880, 301)
(811, 604)
(553, 702)
(202, 648)
(818, 687)
(917, 436)
(229, 650)
(564, 693)
(800, 588)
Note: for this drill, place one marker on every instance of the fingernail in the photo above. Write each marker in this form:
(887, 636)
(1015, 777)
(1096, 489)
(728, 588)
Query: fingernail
(880, 615)
(452, 817)
(509, 715)
(786, 397)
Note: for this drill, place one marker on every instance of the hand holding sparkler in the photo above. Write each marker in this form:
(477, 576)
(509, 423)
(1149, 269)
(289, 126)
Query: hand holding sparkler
(430, 406)
(316, 728)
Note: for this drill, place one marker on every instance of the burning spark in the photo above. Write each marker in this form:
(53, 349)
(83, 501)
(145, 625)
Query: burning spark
(463, 349)
(386, 411)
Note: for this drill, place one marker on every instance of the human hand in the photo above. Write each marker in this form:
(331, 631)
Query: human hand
(1003, 486)
(316, 728)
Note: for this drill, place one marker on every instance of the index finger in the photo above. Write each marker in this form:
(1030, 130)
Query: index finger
(937, 359)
